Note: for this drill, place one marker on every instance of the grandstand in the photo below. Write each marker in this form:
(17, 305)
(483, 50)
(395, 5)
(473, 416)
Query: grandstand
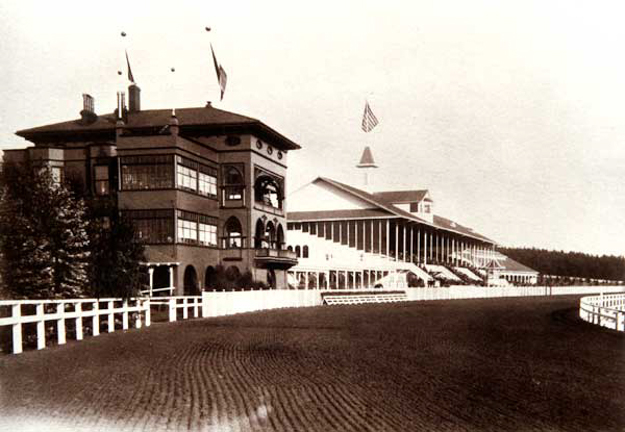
(349, 238)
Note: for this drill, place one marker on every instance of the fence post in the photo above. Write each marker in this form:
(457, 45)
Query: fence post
(16, 314)
(111, 317)
(185, 310)
(138, 323)
(148, 317)
(41, 328)
(78, 310)
(172, 309)
(60, 323)
(195, 307)
(125, 315)
(95, 320)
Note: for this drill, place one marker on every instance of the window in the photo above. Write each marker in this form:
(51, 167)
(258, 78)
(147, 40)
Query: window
(233, 233)
(195, 177)
(208, 234)
(187, 178)
(195, 228)
(147, 172)
(187, 231)
(207, 184)
(267, 191)
(152, 226)
(57, 174)
(234, 184)
(305, 252)
(101, 179)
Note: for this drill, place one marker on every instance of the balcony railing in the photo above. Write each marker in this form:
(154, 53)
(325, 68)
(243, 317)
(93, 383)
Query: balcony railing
(275, 253)
(268, 209)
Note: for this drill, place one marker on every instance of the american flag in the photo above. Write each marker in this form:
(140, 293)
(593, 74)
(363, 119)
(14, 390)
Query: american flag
(369, 120)
(222, 78)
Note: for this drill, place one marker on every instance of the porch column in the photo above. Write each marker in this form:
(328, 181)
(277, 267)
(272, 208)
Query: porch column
(411, 241)
(307, 280)
(388, 238)
(171, 278)
(404, 251)
(151, 275)
(418, 245)
(396, 241)
(425, 247)
(380, 237)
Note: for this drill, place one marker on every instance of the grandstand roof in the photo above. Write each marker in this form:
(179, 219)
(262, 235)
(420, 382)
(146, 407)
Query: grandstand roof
(380, 208)
(514, 266)
(407, 196)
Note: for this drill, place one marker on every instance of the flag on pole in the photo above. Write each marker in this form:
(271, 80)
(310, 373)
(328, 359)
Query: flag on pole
(369, 120)
(222, 78)
(130, 77)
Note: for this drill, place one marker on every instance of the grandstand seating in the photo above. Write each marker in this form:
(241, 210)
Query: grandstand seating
(469, 274)
(350, 257)
(443, 271)
(351, 299)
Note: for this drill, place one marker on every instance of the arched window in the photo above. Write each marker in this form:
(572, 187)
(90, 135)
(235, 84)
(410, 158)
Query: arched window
(290, 248)
(267, 191)
(270, 234)
(234, 233)
(305, 252)
(259, 235)
(297, 251)
(234, 183)
(280, 237)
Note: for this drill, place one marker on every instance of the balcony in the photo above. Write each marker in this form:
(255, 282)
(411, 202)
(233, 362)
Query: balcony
(276, 258)
(268, 209)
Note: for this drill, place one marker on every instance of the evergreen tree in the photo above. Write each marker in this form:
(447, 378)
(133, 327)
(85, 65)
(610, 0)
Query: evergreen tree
(117, 254)
(43, 235)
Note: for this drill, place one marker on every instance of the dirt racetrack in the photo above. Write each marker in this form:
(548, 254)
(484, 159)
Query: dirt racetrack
(498, 364)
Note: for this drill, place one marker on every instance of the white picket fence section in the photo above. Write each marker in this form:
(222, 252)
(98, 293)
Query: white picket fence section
(186, 303)
(457, 292)
(604, 310)
(228, 303)
(75, 309)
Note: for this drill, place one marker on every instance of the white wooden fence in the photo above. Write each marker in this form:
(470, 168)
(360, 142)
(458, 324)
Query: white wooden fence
(228, 303)
(604, 310)
(186, 303)
(76, 310)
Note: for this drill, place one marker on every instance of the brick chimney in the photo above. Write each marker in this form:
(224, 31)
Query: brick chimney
(134, 98)
(88, 115)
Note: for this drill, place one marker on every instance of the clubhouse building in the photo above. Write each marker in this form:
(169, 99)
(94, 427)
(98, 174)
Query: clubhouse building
(204, 187)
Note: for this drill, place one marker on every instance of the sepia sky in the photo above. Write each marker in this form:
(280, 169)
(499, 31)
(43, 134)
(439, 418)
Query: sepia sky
(511, 113)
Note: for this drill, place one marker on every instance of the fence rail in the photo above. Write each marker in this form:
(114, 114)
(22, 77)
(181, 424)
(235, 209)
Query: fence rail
(604, 310)
(75, 310)
(184, 303)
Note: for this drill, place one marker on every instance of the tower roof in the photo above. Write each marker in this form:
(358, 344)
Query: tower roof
(366, 160)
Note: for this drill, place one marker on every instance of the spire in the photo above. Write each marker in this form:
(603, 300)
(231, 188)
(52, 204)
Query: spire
(366, 160)
(367, 164)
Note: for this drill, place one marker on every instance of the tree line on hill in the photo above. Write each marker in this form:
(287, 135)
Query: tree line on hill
(569, 264)
(58, 241)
